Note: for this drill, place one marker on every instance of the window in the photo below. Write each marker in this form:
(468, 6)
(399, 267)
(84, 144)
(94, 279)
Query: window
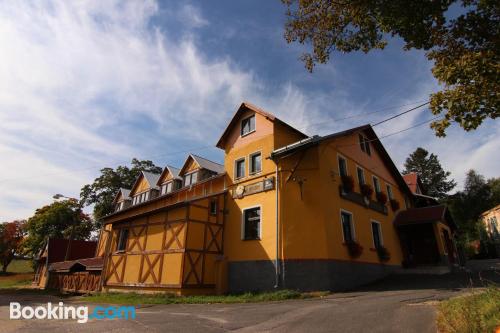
(248, 125)
(361, 175)
(255, 163)
(190, 178)
(239, 168)
(377, 235)
(364, 143)
(389, 192)
(342, 166)
(251, 223)
(122, 240)
(376, 184)
(166, 188)
(347, 226)
(213, 207)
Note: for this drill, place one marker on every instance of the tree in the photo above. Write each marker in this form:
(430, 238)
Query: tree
(11, 237)
(104, 188)
(464, 48)
(466, 206)
(431, 173)
(61, 219)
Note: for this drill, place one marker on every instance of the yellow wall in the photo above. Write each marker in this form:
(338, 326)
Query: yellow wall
(142, 186)
(311, 225)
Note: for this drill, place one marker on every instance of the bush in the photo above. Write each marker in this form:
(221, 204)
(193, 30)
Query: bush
(479, 312)
(381, 197)
(383, 253)
(354, 249)
(366, 190)
(347, 183)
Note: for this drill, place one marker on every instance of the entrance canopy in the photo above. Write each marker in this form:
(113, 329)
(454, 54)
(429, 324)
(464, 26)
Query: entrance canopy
(425, 215)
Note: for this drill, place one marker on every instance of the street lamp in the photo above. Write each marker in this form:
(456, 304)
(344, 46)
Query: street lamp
(68, 248)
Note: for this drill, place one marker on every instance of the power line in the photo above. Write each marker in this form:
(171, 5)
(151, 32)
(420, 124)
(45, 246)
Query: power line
(210, 146)
(400, 114)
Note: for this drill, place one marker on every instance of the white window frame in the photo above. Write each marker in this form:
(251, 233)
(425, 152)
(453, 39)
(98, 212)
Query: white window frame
(375, 187)
(190, 175)
(352, 224)
(241, 125)
(339, 156)
(380, 233)
(236, 167)
(363, 172)
(390, 193)
(250, 171)
(243, 222)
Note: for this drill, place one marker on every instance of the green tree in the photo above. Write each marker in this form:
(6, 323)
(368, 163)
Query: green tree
(466, 206)
(61, 219)
(11, 237)
(432, 175)
(464, 48)
(104, 188)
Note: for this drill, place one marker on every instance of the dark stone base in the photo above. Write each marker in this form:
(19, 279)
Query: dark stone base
(305, 275)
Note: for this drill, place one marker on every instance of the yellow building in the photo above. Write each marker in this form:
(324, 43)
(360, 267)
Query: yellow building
(286, 210)
(491, 220)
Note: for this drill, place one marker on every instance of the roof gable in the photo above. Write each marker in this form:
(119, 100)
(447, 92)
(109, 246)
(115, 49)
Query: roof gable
(370, 134)
(195, 162)
(169, 173)
(144, 182)
(414, 182)
(121, 195)
(244, 107)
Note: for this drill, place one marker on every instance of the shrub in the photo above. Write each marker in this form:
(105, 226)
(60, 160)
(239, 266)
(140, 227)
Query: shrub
(394, 205)
(381, 197)
(354, 249)
(347, 183)
(366, 190)
(383, 253)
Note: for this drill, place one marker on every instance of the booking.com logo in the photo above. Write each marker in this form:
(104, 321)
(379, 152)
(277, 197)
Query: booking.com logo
(60, 311)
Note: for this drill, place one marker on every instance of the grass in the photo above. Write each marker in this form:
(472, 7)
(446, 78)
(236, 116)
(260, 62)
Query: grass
(19, 275)
(479, 312)
(20, 266)
(134, 298)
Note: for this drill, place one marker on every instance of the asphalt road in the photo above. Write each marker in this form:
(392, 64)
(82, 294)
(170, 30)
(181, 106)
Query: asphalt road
(398, 304)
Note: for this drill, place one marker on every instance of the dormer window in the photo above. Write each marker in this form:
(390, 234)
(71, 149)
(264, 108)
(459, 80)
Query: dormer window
(167, 188)
(190, 178)
(248, 125)
(364, 143)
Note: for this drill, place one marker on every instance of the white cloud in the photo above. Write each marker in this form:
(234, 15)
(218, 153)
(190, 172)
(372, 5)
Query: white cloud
(90, 84)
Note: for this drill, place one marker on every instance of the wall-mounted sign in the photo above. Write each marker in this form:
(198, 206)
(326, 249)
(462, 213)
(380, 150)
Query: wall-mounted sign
(260, 186)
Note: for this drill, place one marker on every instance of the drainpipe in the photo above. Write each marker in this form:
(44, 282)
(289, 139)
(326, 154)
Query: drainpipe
(276, 285)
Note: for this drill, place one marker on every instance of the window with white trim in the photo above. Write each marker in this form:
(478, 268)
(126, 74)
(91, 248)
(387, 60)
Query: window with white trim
(361, 175)
(376, 184)
(255, 163)
(347, 226)
(251, 223)
(248, 125)
(239, 168)
(342, 166)
(377, 235)
(190, 178)
(364, 143)
(389, 192)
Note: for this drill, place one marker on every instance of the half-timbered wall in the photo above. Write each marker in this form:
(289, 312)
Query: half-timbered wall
(174, 248)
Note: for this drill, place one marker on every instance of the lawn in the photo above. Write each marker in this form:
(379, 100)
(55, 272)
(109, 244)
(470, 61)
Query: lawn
(19, 275)
(134, 298)
(479, 312)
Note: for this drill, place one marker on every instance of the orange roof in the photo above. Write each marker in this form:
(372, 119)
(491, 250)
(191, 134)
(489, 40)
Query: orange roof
(248, 106)
(412, 180)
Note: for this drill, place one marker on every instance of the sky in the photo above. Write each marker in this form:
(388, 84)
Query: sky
(92, 84)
